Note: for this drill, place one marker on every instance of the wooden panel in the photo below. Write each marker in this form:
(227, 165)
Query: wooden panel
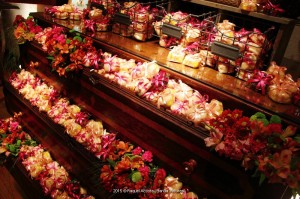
(27, 185)
(10, 188)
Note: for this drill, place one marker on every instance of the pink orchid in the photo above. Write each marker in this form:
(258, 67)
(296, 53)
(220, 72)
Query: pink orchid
(82, 118)
(13, 126)
(261, 79)
(160, 81)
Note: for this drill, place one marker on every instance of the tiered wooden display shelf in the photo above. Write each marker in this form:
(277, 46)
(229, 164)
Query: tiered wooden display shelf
(173, 140)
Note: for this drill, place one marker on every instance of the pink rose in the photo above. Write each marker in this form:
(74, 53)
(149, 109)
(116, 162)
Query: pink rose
(147, 156)
(138, 150)
(14, 126)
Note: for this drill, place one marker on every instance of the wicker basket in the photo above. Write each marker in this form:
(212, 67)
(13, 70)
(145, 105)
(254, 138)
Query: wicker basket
(235, 3)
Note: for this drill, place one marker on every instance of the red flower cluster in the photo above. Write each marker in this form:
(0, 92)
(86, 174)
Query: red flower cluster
(68, 53)
(12, 136)
(25, 29)
(130, 169)
(258, 143)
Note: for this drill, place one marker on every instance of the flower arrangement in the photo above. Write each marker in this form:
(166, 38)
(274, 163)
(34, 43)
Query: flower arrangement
(12, 136)
(261, 144)
(128, 167)
(68, 53)
(131, 170)
(25, 29)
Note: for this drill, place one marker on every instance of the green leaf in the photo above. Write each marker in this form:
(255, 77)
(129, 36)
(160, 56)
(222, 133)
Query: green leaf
(30, 142)
(136, 176)
(257, 116)
(128, 155)
(275, 119)
(4, 135)
(253, 117)
(68, 41)
(72, 31)
(12, 148)
(111, 162)
(297, 139)
(134, 156)
(50, 57)
(78, 38)
(260, 115)
(264, 120)
(261, 179)
(153, 169)
(18, 143)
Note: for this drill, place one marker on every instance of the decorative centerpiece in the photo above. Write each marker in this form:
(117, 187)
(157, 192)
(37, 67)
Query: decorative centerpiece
(25, 29)
(261, 144)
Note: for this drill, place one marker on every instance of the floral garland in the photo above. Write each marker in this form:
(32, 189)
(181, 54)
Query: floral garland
(260, 144)
(53, 178)
(25, 29)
